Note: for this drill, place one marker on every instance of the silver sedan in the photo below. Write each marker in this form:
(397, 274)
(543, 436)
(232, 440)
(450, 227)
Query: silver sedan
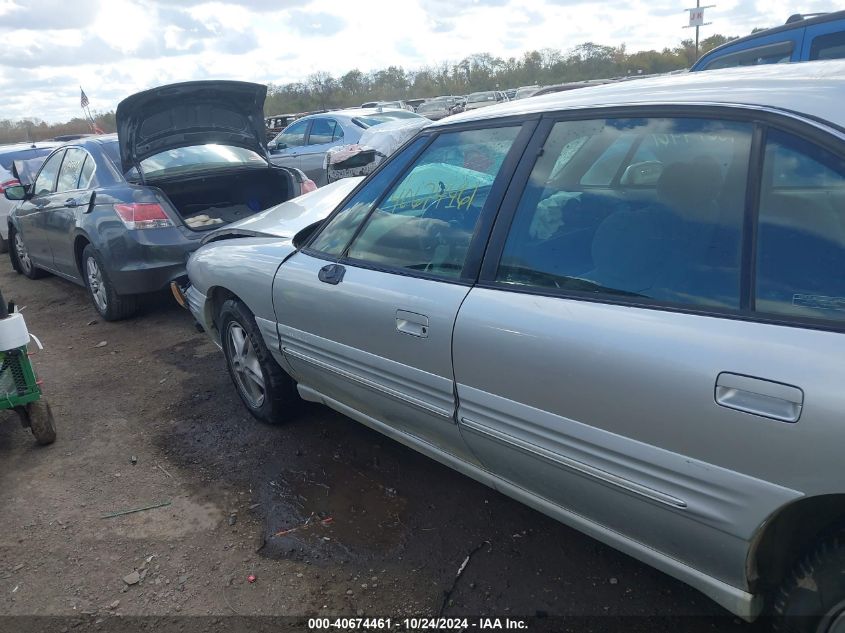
(304, 143)
(623, 306)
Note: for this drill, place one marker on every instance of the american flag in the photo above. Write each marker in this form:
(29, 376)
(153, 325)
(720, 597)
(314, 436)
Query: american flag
(83, 99)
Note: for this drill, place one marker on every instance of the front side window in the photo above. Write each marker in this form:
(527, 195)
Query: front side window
(801, 233)
(427, 220)
(46, 181)
(71, 169)
(293, 135)
(663, 221)
(336, 234)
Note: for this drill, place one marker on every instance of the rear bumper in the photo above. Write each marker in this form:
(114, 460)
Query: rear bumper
(148, 260)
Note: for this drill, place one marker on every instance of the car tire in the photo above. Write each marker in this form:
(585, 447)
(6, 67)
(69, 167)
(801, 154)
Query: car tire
(21, 262)
(812, 598)
(266, 390)
(107, 302)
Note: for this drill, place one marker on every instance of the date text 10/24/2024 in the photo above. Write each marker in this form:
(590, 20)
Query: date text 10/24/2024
(417, 624)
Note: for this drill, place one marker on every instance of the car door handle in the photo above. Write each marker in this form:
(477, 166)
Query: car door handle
(331, 274)
(757, 396)
(412, 323)
(71, 202)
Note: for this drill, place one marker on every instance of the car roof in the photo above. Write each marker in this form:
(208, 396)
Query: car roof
(797, 22)
(351, 113)
(814, 89)
(16, 147)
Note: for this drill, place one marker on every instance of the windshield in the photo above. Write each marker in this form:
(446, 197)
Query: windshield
(383, 117)
(434, 104)
(481, 96)
(199, 158)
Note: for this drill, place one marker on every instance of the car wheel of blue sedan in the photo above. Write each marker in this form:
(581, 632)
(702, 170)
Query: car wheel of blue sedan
(110, 305)
(21, 260)
(267, 391)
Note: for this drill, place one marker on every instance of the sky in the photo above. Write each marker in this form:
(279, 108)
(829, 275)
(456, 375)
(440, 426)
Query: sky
(114, 48)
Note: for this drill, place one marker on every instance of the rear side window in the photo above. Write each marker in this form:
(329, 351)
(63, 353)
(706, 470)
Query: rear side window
(769, 54)
(322, 131)
(830, 46)
(71, 169)
(665, 226)
(46, 181)
(428, 219)
(801, 234)
(86, 177)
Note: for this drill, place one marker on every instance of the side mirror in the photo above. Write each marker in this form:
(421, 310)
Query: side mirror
(16, 192)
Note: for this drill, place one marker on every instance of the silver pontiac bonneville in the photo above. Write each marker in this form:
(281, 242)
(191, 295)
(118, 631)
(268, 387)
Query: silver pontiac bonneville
(622, 305)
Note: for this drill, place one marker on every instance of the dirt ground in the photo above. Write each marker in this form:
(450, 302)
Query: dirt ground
(150, 417)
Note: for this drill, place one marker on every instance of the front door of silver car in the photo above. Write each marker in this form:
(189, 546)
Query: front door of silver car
(661, 389)
(287, 146)
(366, 312)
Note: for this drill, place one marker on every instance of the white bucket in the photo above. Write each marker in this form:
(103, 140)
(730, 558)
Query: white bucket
(13, 332)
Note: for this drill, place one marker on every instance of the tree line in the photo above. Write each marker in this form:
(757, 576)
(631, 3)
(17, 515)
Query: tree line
(481, 71)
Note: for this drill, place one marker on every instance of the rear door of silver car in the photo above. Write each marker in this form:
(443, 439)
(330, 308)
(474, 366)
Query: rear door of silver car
(645, 352)
(366, 311)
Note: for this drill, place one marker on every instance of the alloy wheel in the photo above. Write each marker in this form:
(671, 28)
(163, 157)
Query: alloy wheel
(95, 283)
(22, 254)
(247, 369)
(834, 620)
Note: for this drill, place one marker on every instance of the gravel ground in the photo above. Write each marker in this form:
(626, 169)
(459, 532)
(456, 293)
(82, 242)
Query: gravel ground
(150, 417)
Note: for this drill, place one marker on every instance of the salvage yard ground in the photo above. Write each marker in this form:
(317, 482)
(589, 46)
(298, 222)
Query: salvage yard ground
(377, 529)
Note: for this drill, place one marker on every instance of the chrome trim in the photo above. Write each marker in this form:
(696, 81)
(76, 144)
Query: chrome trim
(371, 385)
(576, 466)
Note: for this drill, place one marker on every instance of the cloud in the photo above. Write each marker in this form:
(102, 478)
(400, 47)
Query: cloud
(44, 15)
(310, 24)
(258, 6)
(237, 43)
(453, 8)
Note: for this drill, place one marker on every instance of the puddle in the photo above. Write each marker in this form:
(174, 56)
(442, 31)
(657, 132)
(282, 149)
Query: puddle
(336, 509)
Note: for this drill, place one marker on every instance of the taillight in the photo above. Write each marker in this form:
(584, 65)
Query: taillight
(142, 215)
(9, 183)
(308, 186)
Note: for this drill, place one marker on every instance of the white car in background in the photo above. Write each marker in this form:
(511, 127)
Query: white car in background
(29, 153)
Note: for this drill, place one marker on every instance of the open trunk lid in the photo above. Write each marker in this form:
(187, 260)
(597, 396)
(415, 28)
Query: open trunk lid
(191, 113)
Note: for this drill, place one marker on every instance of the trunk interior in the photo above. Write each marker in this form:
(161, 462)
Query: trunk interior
(211, 201)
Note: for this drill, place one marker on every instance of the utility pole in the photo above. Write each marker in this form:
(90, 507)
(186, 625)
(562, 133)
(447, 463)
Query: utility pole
(696, 19)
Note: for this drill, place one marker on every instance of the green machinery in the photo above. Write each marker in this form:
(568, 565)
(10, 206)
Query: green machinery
(19, 387)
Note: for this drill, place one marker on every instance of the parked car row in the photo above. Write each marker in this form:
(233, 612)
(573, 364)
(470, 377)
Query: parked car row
(119, 214)
(622, 305)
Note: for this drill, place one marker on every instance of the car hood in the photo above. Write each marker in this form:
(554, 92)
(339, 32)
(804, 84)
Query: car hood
(191, 113)
(289, 218)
